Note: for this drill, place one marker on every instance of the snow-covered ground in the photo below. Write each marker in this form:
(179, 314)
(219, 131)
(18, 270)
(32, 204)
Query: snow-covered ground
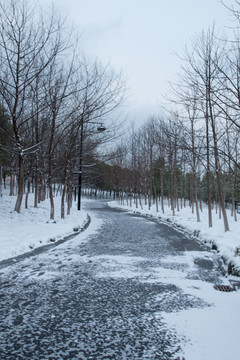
(212, 332)
(20, 233)
(227, 243)
(31, 228)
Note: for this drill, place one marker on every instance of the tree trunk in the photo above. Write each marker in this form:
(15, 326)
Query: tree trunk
(195, 197)
(69, 199)
(136, 199)
(11, 190)
(1, 176)
(63, 202)
(4, 179)
(28, 191)
(172, 194)
(210, 224)
(36, 190)
(218, 175)
(51, 201)
(162, 191)
(155, 194)
(140, 200)
(20, 184)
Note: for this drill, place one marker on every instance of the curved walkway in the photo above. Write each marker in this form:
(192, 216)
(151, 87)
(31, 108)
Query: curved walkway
(104, 298)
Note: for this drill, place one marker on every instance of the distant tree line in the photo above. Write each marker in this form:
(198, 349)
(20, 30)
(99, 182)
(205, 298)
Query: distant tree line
(158, 163)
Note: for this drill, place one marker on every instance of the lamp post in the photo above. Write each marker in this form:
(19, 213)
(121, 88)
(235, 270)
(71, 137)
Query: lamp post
(101, 128)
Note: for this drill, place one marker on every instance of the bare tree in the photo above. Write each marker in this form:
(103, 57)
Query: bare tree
(28, 45)
(201, 73)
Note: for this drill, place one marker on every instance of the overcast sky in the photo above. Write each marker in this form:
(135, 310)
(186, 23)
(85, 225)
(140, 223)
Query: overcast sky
(141, 38)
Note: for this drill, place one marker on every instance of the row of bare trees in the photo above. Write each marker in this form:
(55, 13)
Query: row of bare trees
(168, 158)
(192, 150)
(52, 98)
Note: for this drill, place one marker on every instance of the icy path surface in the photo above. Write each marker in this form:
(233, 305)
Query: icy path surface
(114, 293)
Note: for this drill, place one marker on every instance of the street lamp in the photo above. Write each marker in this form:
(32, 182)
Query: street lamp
(101, 128)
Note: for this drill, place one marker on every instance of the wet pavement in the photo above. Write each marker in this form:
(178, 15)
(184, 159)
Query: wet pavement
(102, 298)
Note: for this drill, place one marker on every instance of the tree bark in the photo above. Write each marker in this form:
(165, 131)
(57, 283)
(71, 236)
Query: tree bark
(20, 184)
(28, 191)
(1, 176)
(36, 190)
(218, 173)
(63, 202)
(51, 202)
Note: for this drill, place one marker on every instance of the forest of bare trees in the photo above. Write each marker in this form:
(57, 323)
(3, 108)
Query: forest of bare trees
(52, 98)
(190, 152)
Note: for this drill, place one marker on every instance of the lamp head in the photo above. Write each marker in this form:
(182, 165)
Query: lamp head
(101, 128)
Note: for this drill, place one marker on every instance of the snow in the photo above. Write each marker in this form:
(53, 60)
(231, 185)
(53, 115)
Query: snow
(211, 332)
(205, 332)
(20, 233)
(228, 243)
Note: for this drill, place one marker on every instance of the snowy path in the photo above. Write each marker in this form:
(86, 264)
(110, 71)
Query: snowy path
(108, 294)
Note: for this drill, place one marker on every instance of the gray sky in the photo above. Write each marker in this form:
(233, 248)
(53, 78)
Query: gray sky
(141, 38)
